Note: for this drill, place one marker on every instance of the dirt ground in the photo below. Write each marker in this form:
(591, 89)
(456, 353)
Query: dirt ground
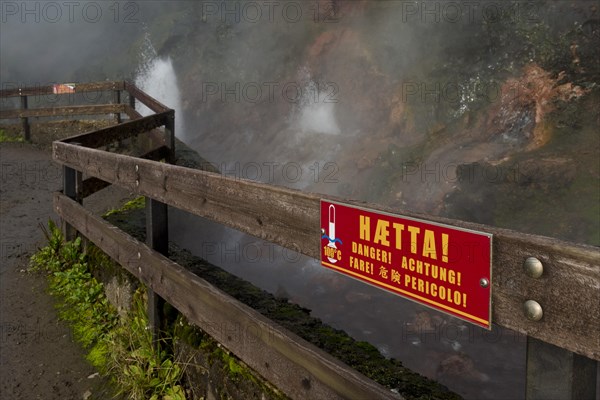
(38, 358)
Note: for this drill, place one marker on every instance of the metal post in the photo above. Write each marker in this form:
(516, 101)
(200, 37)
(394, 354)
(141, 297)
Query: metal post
(556, 373)
(157, 237)
(25, 120)
(72, 184)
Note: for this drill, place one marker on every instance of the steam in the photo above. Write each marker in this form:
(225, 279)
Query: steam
(316, 112)
(374, 57)
(319, 118)
(157, 77)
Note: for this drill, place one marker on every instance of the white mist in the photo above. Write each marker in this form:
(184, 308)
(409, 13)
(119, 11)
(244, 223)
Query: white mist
(156, 76)
(316, 111)
(319, 118)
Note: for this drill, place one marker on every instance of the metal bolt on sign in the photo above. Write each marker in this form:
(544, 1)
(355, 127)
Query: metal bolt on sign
(533, 310)
(533, 267)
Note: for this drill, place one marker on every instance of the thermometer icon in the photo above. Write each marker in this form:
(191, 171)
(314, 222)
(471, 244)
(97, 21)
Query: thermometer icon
(332, 232)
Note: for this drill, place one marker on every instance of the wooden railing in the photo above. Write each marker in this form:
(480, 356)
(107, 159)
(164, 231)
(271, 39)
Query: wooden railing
(569, 289)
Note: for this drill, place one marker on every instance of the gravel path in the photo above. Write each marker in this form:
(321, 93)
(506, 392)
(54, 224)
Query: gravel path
(38, 358)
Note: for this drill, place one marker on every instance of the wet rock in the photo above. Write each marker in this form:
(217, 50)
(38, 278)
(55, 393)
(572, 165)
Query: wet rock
(459, 365)
(552, 173)
(524, 103)
(357, 297)
(340, 56)
(423, 322)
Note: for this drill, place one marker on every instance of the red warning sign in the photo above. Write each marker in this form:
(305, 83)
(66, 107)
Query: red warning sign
(61, 88)
(441, 266)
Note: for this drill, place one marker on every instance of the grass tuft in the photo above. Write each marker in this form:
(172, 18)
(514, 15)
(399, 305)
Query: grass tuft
(121, 348)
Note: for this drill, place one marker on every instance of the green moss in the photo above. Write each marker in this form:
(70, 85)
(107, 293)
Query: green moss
(562, 179)
(6, 137)
(231, 367)
(361, 356)
(137, 203)
(122, 348)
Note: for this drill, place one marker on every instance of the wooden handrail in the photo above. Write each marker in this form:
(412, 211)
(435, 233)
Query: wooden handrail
(148, 101)
(290, 218)
(43, 90)
(121, 131)
(569, 289)
(96, 109)
(295, 366)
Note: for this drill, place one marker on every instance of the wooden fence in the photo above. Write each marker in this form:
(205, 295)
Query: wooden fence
(567, 336)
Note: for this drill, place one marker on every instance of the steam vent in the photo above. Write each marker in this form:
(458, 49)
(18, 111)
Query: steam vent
(300, 199)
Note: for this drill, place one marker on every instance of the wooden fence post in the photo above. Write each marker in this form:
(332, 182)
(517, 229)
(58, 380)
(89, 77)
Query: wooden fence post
(134, 141)
(72, 185)
(170, 132)
(556, 373)
(131, 101)
(157, 230)
(25, 120)
(117, 100)
(157, 237)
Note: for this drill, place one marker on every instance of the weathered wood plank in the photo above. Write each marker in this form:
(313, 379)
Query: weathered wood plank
(42, 90)
(122, 131)
(156, 136)
(132, 113)
(275, 214)
(296, 367)
(569, 289)
(95, 109)
(93, 185)
(148, 101)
